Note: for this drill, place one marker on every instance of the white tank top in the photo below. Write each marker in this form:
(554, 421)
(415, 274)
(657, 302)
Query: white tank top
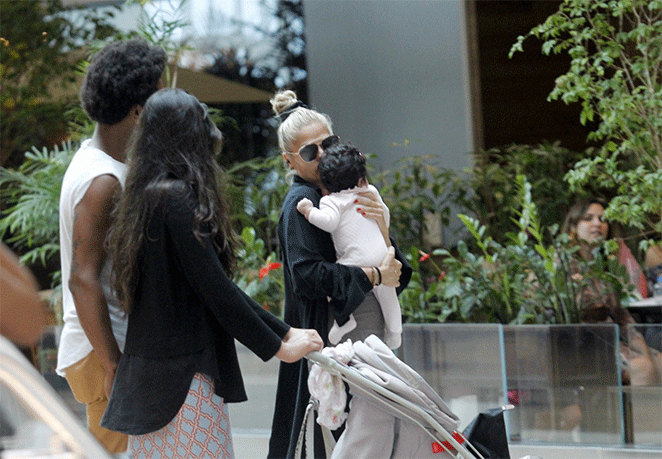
(87, 164)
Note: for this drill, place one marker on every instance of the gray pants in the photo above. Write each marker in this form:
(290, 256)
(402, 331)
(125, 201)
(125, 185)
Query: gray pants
(369, 320)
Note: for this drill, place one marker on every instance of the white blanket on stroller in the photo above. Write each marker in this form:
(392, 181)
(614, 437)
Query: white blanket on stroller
(372, 431)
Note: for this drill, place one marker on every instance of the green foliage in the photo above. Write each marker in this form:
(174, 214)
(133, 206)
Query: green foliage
(31, 196)
(160, 27)
(415, 189)
(616, 74)
(30, 192)
(493, 179)
(514, 268)
(257, 188)
(261, 274)
(420, 302)
(522, 281)
(38, 57)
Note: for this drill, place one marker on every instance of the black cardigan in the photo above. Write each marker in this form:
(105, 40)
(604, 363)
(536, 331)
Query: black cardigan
(311, 274)
(185, 317)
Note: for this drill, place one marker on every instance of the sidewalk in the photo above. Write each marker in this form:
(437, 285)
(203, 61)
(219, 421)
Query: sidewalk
(251, 420)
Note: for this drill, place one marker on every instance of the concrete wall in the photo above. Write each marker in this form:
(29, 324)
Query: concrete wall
(390, 70)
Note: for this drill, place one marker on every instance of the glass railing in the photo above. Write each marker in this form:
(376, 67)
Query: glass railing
(462, 362)
(569, 384)
(565, 382)
(642, 399)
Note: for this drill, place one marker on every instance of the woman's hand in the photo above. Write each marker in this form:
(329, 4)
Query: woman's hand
(297, 343)
(390, 269)
(369, 206)
(109, 378)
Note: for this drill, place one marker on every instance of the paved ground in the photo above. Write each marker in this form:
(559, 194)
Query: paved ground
(251, 420)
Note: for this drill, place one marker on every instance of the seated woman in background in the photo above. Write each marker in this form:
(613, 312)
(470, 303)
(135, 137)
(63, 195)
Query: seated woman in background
(586, 226)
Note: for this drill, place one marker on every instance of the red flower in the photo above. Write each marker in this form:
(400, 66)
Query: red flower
(424, 256)
(442, 275)
(270, 267)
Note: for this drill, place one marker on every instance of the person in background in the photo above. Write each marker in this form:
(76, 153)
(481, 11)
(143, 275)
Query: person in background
(173, 253)
(317, 289)
(358, 241)
(118, 81)
(586, 226)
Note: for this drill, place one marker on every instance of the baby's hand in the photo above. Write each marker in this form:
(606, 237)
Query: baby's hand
(304, 206)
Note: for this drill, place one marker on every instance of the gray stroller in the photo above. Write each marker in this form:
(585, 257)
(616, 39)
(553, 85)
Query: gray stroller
(393, 412)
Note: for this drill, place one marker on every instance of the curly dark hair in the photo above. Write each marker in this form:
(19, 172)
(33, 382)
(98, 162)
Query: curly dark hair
(121, 75)
(172, 154)
(341, 167)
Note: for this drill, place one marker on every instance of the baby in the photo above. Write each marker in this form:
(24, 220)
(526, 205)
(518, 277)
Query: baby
(358, 240)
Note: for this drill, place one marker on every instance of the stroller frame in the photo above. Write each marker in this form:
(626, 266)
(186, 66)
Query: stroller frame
(398, 406)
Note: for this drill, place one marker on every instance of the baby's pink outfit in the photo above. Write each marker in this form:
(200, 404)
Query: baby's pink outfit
(358, 241)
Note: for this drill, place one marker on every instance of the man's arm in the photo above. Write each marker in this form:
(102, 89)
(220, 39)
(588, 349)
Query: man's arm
(91, 225)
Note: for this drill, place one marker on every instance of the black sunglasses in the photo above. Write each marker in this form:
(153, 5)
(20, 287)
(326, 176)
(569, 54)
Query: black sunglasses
(309, 152)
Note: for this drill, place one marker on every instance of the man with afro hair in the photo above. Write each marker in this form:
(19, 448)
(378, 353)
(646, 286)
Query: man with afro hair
(118, 82)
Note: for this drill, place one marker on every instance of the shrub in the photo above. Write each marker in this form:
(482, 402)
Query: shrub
(616, 54)
(414, 189)
(522, 281)
(261, 274)
(31, 195)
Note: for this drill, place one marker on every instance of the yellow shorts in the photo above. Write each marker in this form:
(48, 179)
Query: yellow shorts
(86, 379)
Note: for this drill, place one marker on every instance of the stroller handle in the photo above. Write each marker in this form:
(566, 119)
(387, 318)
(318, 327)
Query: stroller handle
(318, 357)
(378, 394)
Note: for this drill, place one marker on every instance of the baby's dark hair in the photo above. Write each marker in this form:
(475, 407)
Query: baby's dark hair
(121, 75)
(341, 167)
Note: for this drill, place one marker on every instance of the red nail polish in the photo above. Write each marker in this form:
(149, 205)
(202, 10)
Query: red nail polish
(358, 209)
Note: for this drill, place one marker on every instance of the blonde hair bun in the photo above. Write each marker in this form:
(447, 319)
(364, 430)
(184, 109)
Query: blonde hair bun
(282, 100)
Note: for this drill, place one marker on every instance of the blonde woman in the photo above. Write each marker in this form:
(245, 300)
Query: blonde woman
(317, 289)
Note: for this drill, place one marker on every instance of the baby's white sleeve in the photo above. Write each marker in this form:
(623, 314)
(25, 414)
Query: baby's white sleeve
(327, 216)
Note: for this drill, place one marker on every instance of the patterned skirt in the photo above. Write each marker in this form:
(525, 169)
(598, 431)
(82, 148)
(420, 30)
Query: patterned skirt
(201, 429)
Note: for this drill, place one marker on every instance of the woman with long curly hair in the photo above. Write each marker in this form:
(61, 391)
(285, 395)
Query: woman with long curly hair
(173, 252)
